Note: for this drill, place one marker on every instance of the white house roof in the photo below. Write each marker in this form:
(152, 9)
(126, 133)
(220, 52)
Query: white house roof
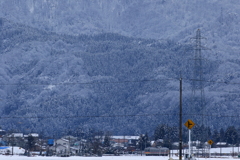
(34, 134)
(196, 142)
(62, 139)
(125, 137)
(16, 135)
(221, 143)
(15, 149)
(120, 137)
(69, 137)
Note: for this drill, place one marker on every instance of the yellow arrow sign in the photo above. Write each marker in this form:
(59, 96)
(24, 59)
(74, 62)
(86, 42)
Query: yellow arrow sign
(210, 142)
(189, 124)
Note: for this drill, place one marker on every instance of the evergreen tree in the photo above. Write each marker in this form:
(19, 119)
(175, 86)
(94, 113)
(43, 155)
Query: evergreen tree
(159, 132)
(238, 140)
(196, 133)
(168, 138)
(167, 134)
(209, 133)
(222, 135)
(231, 135)
(31, 142)
(96, 147)
(143, 141)
(106, 142)
(216, 136)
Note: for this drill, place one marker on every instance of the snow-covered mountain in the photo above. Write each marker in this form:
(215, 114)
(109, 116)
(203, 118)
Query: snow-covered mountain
(159, 19)
(85, 64)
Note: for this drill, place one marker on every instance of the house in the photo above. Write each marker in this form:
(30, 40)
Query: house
(78, 147)
(158, 142)
(34, 135)
(2, 132)
(16, 135)
(62, 150)
(71, 139)
(14, 139)
(175, 145)
(129, 140)
(75, 150)
(62, 141)
(196, 143)
(62, 147)
(9, 149)
(221, 144)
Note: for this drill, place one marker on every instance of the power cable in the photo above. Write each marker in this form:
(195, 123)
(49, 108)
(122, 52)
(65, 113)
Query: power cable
(88, 83)
(116, 82)
(111, 116)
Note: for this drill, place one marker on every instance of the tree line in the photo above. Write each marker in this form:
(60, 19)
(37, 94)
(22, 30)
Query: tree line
(201, 133)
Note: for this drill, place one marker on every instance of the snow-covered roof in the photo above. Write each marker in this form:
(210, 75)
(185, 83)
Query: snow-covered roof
(221, 143)
(175, 143)
(125, 137)
(16, 135)
(15, 149)
(152, 142)
(196, 142)
(69, 137)
(159, 140)
(34, 134)
(62, 139)
(120, 137)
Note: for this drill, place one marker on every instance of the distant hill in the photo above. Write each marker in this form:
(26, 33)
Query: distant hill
(115, 65)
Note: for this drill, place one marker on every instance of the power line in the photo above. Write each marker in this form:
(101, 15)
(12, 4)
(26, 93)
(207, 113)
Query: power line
(112, 116)
(213, 81)
(114, 82)
(88, 83)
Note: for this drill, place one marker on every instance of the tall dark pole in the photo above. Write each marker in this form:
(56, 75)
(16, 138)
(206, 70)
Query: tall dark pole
(12, 143)
(180, 122)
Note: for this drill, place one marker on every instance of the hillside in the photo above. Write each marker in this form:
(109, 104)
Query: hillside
(84, 64)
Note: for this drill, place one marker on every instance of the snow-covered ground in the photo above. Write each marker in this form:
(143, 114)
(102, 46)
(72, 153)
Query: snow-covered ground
(215, 150)
(101, 158)
(127, 157)
(86, 158)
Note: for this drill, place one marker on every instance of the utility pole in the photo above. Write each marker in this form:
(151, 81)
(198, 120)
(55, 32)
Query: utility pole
(180, 122)
(12, 142)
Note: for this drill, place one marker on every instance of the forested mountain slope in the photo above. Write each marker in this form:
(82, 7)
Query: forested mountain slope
(115, 65)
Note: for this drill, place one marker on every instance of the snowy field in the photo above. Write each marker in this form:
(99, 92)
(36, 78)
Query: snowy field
(101, 158)
(127, 157)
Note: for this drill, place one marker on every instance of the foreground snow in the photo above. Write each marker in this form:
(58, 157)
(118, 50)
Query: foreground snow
(125, 157)
(101, 158)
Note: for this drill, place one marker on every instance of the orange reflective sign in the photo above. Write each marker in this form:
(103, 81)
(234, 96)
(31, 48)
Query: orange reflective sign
(210, 142)
(189, 124)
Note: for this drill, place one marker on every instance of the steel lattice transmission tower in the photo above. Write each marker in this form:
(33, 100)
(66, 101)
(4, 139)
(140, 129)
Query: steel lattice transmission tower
(198, 97)
(198, 104)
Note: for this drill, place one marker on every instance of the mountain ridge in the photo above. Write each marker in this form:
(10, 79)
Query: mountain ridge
(53, 79)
